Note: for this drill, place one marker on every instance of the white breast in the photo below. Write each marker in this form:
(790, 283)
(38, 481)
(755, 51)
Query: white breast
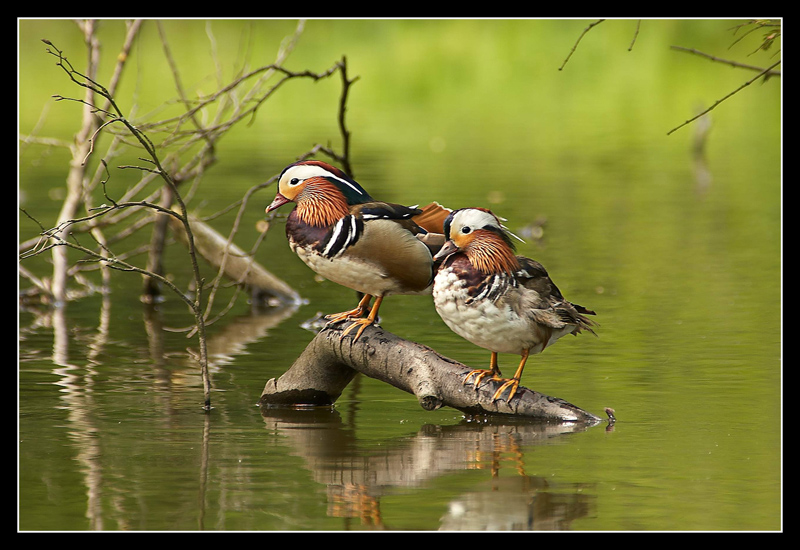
(347, 272)
(352, 272)
(492, 325)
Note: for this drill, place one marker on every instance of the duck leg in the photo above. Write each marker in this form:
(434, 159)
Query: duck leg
(360, 309)
(512, 383)
(364, 323)
(493, 371)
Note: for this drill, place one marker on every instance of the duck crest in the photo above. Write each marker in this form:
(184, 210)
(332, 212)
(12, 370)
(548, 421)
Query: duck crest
(321, 204)
(491, 253)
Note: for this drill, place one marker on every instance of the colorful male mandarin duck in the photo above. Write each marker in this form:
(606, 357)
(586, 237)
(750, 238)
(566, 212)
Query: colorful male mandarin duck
(346, 236)
(496, 299)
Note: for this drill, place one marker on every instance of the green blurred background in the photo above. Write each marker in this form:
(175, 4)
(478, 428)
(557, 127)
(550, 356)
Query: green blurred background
(679, 255)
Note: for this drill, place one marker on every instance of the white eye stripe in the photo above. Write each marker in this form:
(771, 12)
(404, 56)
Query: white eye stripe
(473, 218)
(507, 230)
(350, 185)
(302, 172)
(344, 181)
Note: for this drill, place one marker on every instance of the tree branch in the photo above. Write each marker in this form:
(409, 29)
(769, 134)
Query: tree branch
(575, 46)
(328, 364)
(763, 73)
(726, 61)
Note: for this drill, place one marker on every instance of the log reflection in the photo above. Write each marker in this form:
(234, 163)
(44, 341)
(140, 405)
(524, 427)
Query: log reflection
(356, 480)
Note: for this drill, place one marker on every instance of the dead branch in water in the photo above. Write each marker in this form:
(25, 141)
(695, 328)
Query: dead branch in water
(328, 364)
(236, 264)
(179, 157)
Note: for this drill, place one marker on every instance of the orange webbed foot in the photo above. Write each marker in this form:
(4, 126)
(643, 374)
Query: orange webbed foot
(512, 383)
(364, 322)
(480, 374)
(334, 318)
(358, 311)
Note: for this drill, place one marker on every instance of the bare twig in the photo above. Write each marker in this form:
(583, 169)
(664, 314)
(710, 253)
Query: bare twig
(730, 62)
(80, 149)
(103, 116)
(113, 262)
(635, 34)
(575, 46)
(92, 88)
(717, 102)
(346, 83)
(251, 102)
(773, 27)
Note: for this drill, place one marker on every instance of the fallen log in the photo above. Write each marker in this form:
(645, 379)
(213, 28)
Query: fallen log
(329, 362)
(238, 266)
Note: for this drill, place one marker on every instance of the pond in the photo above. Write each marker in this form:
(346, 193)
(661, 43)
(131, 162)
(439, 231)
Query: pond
(680, 256)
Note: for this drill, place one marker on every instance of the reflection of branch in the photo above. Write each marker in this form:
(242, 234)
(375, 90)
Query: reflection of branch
(717, 102)
(330, 362)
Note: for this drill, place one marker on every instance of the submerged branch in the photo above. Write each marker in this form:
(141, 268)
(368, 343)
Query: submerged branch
(235, 263)
(329, 363)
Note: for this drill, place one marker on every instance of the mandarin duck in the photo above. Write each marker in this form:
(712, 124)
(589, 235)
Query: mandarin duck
(497, 300)
(347, 237)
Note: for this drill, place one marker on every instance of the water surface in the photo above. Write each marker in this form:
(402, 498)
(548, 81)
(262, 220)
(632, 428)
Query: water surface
(682, 262)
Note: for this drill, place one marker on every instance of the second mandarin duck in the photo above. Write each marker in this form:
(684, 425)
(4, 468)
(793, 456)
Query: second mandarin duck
(497, 300)
(348, 237)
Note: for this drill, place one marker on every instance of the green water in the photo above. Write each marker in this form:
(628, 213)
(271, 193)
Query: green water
(681, 261)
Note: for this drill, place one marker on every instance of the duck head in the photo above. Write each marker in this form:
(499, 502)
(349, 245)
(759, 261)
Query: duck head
(322, 192)
(479, 234)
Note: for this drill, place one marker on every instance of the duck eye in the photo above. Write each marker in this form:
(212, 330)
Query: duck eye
(466, 229)
(294, 181)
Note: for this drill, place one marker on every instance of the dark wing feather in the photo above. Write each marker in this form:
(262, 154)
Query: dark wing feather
(544, 301)
(385, 211)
